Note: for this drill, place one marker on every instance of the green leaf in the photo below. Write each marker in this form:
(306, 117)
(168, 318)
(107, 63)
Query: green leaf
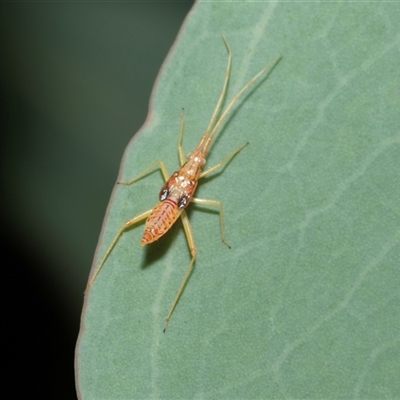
(305, 304)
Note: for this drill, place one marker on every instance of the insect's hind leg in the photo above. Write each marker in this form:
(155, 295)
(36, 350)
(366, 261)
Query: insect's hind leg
(224, 161)
(221, 214)
(192, 248)
(127, 224)
(123, 227)
(157, 164)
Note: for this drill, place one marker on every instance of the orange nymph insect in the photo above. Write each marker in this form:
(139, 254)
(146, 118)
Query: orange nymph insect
(178, 190)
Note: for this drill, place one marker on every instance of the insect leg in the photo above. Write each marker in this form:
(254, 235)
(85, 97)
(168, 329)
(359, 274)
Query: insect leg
(192, 248)
(224, 161)
(181, 154)
(123, 227)
(218, 204)
(131, 221)
(158, 164)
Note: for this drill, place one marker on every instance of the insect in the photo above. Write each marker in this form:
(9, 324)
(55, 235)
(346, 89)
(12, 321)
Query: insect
(179, 188)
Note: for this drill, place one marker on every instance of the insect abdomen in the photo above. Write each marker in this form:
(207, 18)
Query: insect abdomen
(163, 216)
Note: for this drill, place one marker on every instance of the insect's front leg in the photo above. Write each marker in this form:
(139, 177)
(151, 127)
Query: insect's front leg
(181, 154)
(157, 164)
(223, 162)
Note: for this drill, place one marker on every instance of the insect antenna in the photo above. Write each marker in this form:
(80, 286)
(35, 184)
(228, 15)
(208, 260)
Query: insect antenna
(217, 109)
(268, 68)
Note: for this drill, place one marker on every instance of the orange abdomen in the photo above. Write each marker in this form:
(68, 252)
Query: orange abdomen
(163, 216)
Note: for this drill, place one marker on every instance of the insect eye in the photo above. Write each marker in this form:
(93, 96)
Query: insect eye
(164, 193)
(183, 202)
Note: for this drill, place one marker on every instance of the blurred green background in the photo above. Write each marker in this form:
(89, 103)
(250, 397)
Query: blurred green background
(76, 80)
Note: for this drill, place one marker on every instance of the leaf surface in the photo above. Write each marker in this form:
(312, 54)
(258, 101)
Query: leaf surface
(305, 304)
